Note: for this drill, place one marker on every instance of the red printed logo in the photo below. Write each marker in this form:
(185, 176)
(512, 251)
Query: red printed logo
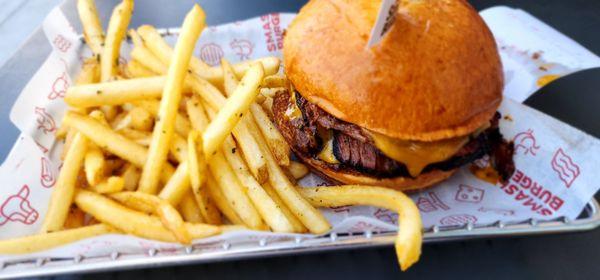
(469, 194)
(499, 211)
(455, 220)
(243, 48)
(525, 142)
(272, 31)
(564, 166)
(16, 208)
(364, 226)
(211, 53)
(59, 87)
(47, 177)
(44, 149)
(387, 216)
(431, 202)
(44, 120)
(340, 209)
(61, 43)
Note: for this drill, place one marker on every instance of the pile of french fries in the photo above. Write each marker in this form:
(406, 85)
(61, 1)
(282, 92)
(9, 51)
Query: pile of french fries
(169, 148)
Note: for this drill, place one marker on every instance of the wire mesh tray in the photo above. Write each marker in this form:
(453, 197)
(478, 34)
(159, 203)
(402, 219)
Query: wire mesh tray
(589, 219)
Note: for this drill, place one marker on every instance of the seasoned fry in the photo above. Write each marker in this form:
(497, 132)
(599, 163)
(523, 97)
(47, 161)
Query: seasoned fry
(306, 213)
(196, 163)
(115, 92)
(137, 201)
(138, 119)
(232, 111)
(62, 194)
(45, 241)
(92, 28)
(268, 209)
(90, 72)
(133, 222)
(179, 148)
(75, 218)
(142, 138)
(297, 170)
(94, 164)
(112, 141)
(182, 124)
(134, 69)
(298, 226)
(131, 177)
(250, 148)
(409, 240)
(274, 81)
(177, 186)
(195, 110)
(190, 210)
(173, 222)
(275, 141)
(148, 60)
(157, 45)
(117, 27)
(112, 184)
(220, 201)
(268, 106)
(234, 193)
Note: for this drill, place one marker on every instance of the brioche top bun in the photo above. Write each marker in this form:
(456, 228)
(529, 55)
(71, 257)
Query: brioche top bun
(435, 75)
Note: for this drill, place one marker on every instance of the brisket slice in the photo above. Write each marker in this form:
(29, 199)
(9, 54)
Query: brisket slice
(356, 153)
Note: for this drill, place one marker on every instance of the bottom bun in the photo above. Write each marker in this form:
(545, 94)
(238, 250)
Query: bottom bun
(399, 183)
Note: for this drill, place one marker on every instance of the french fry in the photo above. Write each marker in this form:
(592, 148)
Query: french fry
(270, 92)
(142, 138)
(45, 241)
(92, 28)
(131, 177)
(250, 148)
(189, 209)
(62, 193)
(220, 201)
(75, 218)
(208, 208)
(275, 141)
(133, 222)
(115, 92)
(196, 163)
(177, 186)
(409, 239)
(268, 106)
(233, 110)
(179, 148)
(117, 27)
(112, 184)
(298, 226)
(113, 142)
(173, 222)
(306, 213)
(297, 170)
(268, 209)
(234, 193)
(137, 201)
(94, 164)
(137, 118)
(148, 60)
(134, 69)
(195, 110)
(157, 45)
(90, 72)
(182, 124)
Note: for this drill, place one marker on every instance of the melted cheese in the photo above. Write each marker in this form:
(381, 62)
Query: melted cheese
(292, 111)
(326, 153)
(415, 154)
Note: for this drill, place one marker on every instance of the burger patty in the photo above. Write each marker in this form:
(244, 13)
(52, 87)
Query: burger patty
(354, 149)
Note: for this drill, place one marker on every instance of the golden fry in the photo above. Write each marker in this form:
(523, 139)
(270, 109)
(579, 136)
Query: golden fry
(117, 27)
(297, 170)
(275, 141)
(409, 240)
(220, 201)
(190, 210)
(131, 177)
(112, 184)
(298, 226)
(94, 164)
(92, 28)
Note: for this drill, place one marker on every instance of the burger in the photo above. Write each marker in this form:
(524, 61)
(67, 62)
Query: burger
(405, 113)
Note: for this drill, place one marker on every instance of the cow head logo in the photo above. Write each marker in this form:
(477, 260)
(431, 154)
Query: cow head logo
(565, 168)
(16, 208)
(211, 53)
(59, 87)
(243, 48)
(44, 120)
(526, 143)
(47, 177)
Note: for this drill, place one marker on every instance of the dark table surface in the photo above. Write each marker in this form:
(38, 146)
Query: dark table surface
(567, 256)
